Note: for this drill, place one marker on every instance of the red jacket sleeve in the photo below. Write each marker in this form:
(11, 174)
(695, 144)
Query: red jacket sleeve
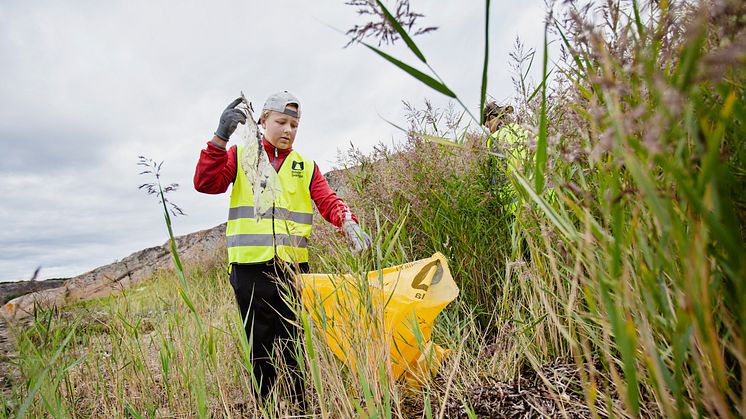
(331, 207)
(216, 169)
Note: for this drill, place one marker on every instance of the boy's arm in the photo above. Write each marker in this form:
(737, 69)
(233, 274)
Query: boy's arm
(331, 207)
(216, 169)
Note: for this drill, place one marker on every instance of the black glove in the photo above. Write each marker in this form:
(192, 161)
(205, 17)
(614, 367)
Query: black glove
(229, 120)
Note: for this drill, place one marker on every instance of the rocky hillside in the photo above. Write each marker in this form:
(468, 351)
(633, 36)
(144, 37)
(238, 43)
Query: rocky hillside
(201, 246)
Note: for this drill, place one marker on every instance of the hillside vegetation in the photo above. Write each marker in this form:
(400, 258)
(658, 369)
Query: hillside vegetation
(600, 268)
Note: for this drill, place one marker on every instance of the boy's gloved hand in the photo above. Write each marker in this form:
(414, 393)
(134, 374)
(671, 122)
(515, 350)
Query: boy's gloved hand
(229, 120)
(359, 239)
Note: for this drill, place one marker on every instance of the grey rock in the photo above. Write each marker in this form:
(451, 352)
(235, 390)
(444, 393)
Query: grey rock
(194, 248)
(11, 290)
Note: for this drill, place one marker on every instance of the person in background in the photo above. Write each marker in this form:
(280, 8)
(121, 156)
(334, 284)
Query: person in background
(263, 254)
(508, 144)
(506, 138)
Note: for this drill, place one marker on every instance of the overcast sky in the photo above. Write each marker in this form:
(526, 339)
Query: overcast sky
(88, 86)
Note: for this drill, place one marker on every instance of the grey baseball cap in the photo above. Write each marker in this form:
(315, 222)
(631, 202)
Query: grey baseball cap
(278, 102)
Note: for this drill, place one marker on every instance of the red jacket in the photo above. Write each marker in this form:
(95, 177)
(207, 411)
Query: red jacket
(216, 169)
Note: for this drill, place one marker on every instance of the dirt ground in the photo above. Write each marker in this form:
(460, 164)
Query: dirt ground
(8, 373)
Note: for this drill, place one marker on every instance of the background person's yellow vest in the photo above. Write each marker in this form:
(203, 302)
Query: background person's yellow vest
(510, 140)
(284, 230)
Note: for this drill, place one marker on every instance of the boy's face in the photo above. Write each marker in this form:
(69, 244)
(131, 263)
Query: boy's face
(280, 129)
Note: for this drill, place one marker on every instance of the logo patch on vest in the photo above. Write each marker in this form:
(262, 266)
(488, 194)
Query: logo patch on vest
(297, 168)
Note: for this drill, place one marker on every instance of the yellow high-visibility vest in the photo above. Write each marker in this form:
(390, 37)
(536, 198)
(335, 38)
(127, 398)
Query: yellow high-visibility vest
(284, 230)
(509, 140)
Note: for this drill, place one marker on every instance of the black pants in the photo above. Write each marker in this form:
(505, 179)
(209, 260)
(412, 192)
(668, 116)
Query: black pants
(259, 296)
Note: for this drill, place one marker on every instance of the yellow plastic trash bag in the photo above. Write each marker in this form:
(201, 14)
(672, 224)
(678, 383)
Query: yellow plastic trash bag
(389, 317)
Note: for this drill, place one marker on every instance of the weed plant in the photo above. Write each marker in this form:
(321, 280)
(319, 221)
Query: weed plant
(638, 235)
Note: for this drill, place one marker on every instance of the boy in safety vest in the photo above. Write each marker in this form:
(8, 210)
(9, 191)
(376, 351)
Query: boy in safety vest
(262, 254)
(506, 138)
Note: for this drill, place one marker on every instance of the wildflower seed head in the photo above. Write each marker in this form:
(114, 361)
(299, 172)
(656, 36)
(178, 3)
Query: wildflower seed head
(379, 26)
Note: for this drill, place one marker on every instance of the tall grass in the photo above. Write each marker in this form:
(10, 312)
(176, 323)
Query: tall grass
(641, 235)
(632, 211)
(143, 354)
(634, 246)
(135, 355)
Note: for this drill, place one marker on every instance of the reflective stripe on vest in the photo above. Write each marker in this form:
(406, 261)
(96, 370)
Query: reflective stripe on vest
(281, 213)
(266, 240)
(284, 230)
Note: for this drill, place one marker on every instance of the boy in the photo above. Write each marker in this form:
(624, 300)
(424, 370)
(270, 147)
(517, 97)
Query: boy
(503, 133)
(265, 253)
